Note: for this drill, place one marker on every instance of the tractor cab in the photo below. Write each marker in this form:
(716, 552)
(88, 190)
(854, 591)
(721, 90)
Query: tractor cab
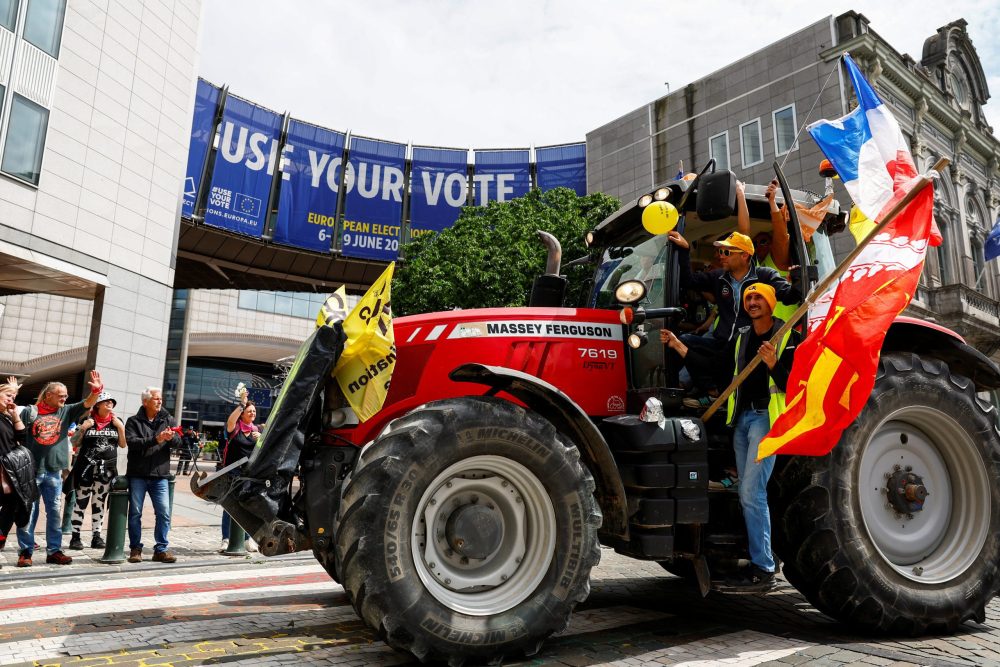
(648, 263)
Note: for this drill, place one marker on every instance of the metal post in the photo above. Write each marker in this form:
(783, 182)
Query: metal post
(67, 517)
(114, 550)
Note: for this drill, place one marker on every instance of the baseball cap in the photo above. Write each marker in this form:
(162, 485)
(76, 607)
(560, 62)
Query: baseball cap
(736, 240)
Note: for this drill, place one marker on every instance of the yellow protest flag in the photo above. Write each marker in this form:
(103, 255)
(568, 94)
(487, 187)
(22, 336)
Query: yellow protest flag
(369, 357)
(334, 309)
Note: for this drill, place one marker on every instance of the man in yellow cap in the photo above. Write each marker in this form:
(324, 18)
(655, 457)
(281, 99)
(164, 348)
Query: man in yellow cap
(751, 411)
(728, 283)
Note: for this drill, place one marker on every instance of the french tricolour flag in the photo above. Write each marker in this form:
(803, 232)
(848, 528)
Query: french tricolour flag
(835, 366)
(867, 149)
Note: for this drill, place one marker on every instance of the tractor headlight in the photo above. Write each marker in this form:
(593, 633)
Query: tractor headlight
(661, 194)
(645, 201)
(638, 339)
(589, 239)
(630, 291)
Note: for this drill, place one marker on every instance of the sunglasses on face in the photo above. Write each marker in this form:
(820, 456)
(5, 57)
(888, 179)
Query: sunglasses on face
(763, 241)
(726, 252)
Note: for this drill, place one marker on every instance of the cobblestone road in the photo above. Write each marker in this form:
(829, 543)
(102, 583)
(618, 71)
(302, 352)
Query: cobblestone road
(210, 609)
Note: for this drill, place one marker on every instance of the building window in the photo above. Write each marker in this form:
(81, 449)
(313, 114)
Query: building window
(43, 24)
(751, 151)
(8, 14)
(718, 149)
(784, 129)
(22, 153)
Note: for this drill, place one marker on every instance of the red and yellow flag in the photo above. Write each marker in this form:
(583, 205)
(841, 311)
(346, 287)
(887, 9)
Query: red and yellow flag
(834, 368)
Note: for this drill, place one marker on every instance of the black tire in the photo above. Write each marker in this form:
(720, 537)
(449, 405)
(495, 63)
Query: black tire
(840, 546)
(394, 482)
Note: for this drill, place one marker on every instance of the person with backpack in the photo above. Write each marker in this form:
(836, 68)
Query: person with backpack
(96, 465)
(18, 490)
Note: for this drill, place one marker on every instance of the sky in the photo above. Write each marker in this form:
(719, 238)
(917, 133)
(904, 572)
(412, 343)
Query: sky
(514, 73)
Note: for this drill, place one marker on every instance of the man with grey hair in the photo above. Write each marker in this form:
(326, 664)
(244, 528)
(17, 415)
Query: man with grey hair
(48, 423)
(149, 434)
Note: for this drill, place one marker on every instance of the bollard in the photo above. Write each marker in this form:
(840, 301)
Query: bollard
(237, 539)
(67, 519)
(114, 551)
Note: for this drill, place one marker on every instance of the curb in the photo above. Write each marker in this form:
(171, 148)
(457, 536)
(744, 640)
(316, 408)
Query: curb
(91, 570)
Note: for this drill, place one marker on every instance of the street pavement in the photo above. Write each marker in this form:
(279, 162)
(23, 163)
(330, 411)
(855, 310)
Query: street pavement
(213, 609)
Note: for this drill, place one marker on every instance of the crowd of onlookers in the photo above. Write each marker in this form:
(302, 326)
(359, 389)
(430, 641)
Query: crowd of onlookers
(37, 470)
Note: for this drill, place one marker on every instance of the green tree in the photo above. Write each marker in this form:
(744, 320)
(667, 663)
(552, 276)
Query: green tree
(491, 255)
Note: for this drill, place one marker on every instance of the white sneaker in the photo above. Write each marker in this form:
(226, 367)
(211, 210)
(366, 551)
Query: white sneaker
(251, 545)
(224, 545)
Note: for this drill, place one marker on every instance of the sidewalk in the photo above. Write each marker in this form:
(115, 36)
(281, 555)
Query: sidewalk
(195, 536)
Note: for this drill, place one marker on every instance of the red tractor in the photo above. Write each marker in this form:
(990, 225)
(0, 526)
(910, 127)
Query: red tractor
(463, 520)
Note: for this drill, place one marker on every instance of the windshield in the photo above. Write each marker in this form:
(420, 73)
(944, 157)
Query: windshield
(643, 259)
(641, 256)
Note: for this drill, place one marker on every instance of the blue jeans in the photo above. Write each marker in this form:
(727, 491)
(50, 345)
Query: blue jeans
(226, 523)
(160, 495)
(751, 427)
(50, 492)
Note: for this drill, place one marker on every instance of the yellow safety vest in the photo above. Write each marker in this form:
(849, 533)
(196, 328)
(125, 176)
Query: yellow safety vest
(782, 311)
(776, 397)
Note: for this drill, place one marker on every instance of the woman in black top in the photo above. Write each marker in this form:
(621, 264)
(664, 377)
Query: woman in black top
(241, 438)
(18, 491)
(96, 465)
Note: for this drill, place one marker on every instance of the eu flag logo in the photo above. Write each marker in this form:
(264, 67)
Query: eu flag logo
(246, 205)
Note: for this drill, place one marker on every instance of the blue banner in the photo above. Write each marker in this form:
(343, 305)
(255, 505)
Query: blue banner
(244, 165)
(439, 187)
(310, 173)
(501, 175)
(206, 103)
(562, 167)
(373, 206)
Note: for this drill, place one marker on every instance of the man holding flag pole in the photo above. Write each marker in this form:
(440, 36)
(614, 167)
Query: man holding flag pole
(835, 367)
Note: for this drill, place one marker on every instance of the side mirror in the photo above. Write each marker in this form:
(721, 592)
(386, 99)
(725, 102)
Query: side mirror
(716, 197)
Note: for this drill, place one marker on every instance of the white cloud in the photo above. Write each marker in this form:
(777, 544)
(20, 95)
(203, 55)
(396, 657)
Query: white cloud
(517, 72)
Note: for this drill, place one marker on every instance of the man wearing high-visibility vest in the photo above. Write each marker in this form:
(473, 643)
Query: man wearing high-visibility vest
(751, 411)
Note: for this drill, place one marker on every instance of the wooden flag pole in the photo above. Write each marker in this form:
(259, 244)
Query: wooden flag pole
(824, 285)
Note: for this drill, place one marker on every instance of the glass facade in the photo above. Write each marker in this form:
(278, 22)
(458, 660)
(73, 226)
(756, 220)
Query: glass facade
(293, 304)
(22, 154)
(784, 130)
(8, 14)
(209, 390)
(43, 24)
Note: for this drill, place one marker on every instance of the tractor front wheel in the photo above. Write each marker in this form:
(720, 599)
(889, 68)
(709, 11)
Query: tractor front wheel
(468, 529)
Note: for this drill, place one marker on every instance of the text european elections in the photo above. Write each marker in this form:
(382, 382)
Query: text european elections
(244, 164)
(310, 171)
(373, 207)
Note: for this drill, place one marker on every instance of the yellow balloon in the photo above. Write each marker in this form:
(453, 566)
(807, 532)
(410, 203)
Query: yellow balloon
(659, 217)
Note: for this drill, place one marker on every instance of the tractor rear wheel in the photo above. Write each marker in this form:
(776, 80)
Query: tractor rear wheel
(468, 529)
(897, 530)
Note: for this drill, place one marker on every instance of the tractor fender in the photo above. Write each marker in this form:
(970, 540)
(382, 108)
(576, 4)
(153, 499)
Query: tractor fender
(555, 406)
(932, 340)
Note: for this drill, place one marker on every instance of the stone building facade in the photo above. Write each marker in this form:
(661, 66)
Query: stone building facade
(748, 114)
